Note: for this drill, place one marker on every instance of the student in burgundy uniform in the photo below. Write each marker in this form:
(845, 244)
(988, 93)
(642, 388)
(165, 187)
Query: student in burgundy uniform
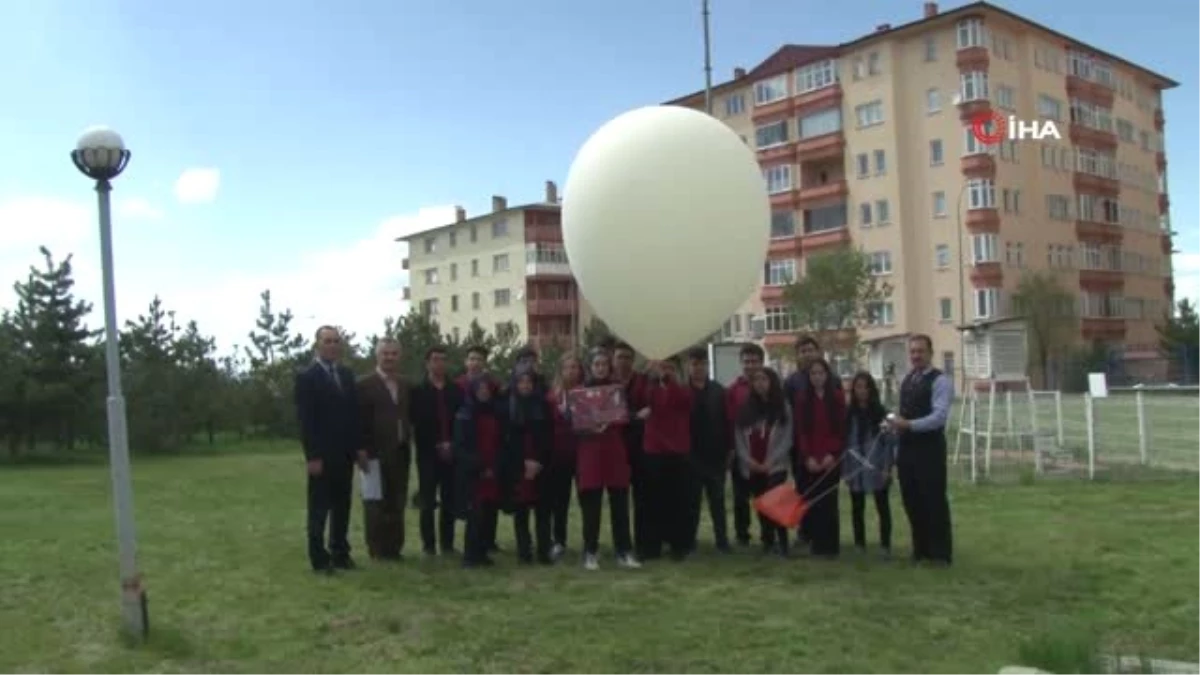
(562, 462)
(529, 444)
(478, 454)
(635, 396)
(602, 465)
(475, 366)
(432, 406)
(764, 441)
(668, 444)
(807, 351)
(752, 357)
(820, 414)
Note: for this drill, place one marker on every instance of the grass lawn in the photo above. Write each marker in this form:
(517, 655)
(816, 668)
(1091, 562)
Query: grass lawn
(222, 550)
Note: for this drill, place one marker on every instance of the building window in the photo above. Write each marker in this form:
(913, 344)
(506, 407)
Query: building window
(1005, 97)
(939, 204)
(778, 320)
(933, 101)
(453, 236)
(475, 300)
(779, 178)
(1049, 107)
(1125, 130)
(973, 85)
(880, 162)
(820, 123)
(972, 145)
(500, 263)
(825, 218)
(945, 309)
(453, 271)
(430, 244)
(970, 33)
(936, 156)
(981, 194)
(862, 163)
(771, 135)
(429, 307)
(880, 263)
(431, 276)
(735, 105)
(499, 228)
(475, 267)
(864, 214)
(1058, 207)
(983, 249)
(1014, 254)
(816, 76)
(987, 301)
(873, 64)
(941, 256)
(501, 297)
(869, 114)
(770, 90)
(1091, 115)
(779, 272)
(474, 230)
(930, 48)
(454, 303)
(1096, 163)
(880, 314)
(883, 214)
(783, 224)
(1098, 209)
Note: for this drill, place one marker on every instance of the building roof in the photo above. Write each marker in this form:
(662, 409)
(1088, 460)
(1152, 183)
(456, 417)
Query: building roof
(790, 57)
(532, 206)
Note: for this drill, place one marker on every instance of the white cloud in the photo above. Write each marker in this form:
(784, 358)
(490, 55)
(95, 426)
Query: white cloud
(136, 207)
(355, 284)
(197, 186)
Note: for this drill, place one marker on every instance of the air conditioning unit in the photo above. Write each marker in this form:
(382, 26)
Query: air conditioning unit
(758, 327)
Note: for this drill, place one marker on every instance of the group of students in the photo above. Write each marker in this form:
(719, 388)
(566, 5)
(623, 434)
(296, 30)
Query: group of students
(486, 447)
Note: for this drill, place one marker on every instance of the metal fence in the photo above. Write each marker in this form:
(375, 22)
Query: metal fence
(1133, 432)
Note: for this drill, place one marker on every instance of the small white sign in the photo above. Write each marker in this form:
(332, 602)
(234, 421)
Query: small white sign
(1098, 385)
(371, 482)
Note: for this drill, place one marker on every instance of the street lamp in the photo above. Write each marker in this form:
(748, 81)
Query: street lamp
(101, 155)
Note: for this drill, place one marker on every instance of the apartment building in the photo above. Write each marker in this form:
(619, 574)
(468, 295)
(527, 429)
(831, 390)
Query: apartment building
(506, 269)
(868, 143)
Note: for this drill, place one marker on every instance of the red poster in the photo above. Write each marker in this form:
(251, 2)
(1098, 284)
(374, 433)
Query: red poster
(594, 406)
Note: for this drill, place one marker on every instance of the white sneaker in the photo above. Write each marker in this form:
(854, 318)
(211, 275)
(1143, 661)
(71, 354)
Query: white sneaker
(557, 551)
(590, 562)
(629, 562)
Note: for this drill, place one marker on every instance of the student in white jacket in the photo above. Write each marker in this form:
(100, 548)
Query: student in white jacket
(763, 438)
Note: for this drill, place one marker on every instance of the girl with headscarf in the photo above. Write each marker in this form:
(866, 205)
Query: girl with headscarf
(867, 467)
(528, 446)
(561, 472)
(478, 440)
(763, 438)
(602, 465)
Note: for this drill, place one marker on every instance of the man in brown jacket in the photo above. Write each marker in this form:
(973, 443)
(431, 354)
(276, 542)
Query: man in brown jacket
(386, 434)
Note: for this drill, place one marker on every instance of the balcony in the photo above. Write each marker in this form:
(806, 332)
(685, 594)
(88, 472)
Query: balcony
(773, 294)
(832, 190)
(813, 101)
(831, 238)
(972, 58)
(783, 153)
(547, 269)
(546, 259)
(979, 165)
(543, 233)
(987, 275)
(1160, 161)
(1164, 204)
(983, 221)
(404, 263)
(1159, 120)
(1103, 328)
(773, 111)
(968, 111)
(1101, 281)
(788, 200)
(823, 147)
(783, 247)
(1092, 138)
(542, 342)
(1092, 92)
(407, 293)
(1166, 244)
(1090, 183)
(1101, 233)
(551, 307)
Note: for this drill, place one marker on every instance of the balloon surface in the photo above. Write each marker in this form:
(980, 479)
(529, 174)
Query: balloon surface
(666, 223)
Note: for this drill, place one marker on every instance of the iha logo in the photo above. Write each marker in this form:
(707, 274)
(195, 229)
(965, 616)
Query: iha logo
(991, 128)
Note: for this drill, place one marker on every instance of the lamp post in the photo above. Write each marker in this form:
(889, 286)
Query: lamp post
(962, 286)
(101, 155)
(707, 59)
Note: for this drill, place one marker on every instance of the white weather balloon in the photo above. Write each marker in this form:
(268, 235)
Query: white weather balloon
(666, 222)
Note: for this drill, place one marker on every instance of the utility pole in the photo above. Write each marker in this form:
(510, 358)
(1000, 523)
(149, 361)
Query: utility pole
(707, 59)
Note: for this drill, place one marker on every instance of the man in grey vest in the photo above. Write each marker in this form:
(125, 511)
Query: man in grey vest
(925, 398)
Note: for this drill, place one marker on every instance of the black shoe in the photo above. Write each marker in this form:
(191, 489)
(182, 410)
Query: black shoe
(545, 559)
(429, 551)
(346, 564)
(494, 548)
(525, 558)
(323, 570)
(743, 541)
(449, 551)
(486, 561)
(724, 547)
(679, 556)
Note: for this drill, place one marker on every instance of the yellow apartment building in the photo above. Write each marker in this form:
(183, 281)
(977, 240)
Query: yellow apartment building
(505, 268)
(868, 143)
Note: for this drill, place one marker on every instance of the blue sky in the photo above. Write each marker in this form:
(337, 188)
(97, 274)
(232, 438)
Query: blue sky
(307, 133)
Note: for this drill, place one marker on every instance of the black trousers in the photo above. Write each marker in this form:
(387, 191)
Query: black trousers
(668, 499)
(820, 490)
(771, 532)
(590, 502)
(329, 497)
(800, 471)
(557, 500)
(741, 504)
(883, 508)
(480, 532)
(922, 475)
(436, 479)
(539, 542)
(639, 489)
(708, 484)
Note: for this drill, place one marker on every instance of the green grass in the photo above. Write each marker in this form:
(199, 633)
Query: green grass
(221, 540)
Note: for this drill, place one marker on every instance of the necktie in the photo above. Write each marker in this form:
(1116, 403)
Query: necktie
(333, 375)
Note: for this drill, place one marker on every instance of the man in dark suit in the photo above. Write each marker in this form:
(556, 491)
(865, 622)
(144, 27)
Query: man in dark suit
(387, 432)
(709, 454)
(432, 406)
(329, 431)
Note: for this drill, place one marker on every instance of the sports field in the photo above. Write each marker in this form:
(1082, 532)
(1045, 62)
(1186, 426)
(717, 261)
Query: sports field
(1040, 570)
